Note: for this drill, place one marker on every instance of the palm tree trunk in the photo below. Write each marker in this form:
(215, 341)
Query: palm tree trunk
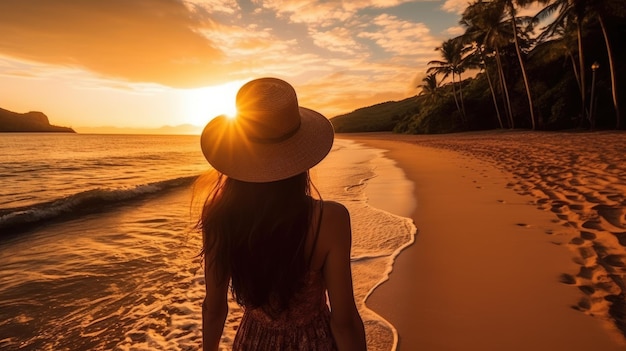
(521, 63)
(575, 69)
(462, 103)
(493, 96)
(612, 67)
(493, 93)
(505, 89)
(581, 67)
(456, 101)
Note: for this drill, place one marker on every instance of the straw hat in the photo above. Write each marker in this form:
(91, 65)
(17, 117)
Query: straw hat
(271, 137)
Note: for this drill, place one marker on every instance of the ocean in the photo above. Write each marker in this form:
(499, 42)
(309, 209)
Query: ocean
(97, 250)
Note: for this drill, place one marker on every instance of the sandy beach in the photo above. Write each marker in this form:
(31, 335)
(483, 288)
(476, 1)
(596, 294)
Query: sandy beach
(520, 242)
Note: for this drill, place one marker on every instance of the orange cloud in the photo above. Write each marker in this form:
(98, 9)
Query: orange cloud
(342, 54)
(344, 91)
(140, 41)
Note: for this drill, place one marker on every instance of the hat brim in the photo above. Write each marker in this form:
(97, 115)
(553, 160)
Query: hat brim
(230, 152)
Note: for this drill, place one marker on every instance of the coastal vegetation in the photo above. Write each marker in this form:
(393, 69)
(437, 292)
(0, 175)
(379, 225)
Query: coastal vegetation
(28, 122)
(560, 69)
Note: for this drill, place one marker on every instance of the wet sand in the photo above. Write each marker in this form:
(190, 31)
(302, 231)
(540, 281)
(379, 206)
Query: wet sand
(520, 242)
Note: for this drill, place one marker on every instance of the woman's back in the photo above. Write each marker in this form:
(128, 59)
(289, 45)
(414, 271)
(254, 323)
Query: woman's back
(266, 238)
(305, 324)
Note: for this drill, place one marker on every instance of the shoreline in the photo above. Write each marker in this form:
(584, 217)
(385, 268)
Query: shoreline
(482, 273)
(390, 182)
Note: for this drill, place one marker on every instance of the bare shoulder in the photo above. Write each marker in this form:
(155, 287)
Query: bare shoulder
(334, 233)
(335, 210)
(336, 222)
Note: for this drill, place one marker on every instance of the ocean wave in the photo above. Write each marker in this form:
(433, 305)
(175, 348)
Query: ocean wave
(16, 220)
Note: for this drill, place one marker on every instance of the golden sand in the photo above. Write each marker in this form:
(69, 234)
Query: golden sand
(520, 244)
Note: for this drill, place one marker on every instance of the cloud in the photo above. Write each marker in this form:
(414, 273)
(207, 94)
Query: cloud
(337, 39)
(455, 31)
(214, 6)
(401, 38)
(345, 91)
(324, 13)
(351, 51)
(139, 40)
(309, 12)
(455, 6)
(458, 6)
(367, 57)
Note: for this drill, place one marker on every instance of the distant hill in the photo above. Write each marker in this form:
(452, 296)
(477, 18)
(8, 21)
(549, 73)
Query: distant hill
(377, 118)
(28, 122)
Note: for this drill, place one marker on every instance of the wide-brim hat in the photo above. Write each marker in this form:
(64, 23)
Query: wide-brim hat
(271, 137)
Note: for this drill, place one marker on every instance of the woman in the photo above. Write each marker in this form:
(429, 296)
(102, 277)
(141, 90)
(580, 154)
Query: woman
(282, 250)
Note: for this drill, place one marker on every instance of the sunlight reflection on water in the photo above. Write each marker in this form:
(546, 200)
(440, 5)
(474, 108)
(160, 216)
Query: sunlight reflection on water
(130, 278)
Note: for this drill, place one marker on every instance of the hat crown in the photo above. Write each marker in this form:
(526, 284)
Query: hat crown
(271, 138)
(267, 110)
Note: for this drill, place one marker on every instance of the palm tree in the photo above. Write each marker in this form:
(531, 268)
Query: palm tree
(513, 12)
(569, 13)
(576, 13)
(460, 68)
(451, 64)
(476, 59)
(483, 66)
(612, 68)
(558, 44)
(430, 87)
(486, 25)
(600, 10)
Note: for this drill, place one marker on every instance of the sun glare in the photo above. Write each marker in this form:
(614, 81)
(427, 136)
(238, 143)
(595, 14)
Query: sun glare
(203, 104)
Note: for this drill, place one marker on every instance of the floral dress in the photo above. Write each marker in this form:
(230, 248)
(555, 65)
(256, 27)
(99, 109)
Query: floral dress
(305, 325)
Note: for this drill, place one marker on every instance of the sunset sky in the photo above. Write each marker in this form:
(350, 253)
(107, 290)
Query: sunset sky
(148, 63)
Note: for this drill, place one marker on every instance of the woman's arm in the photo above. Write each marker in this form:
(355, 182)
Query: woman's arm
(345, 321)
(214, 308)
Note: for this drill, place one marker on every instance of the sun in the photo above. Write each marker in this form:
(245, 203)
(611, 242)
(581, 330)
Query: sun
(203, 104)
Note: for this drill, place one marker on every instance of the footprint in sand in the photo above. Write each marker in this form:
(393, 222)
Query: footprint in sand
(563, 217)
(567, 279)
(621, 237)
(612, 214)
(587, 272)
(612, 260)
(592, 224)
(587, 235)
(559, 206)
(586, 252)
(583, 305)
(574, 197)
(577, 241)
(576, 207)
(587, 290)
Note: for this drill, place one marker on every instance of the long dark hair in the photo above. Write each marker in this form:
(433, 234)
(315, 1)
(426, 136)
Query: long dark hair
(255, 233)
